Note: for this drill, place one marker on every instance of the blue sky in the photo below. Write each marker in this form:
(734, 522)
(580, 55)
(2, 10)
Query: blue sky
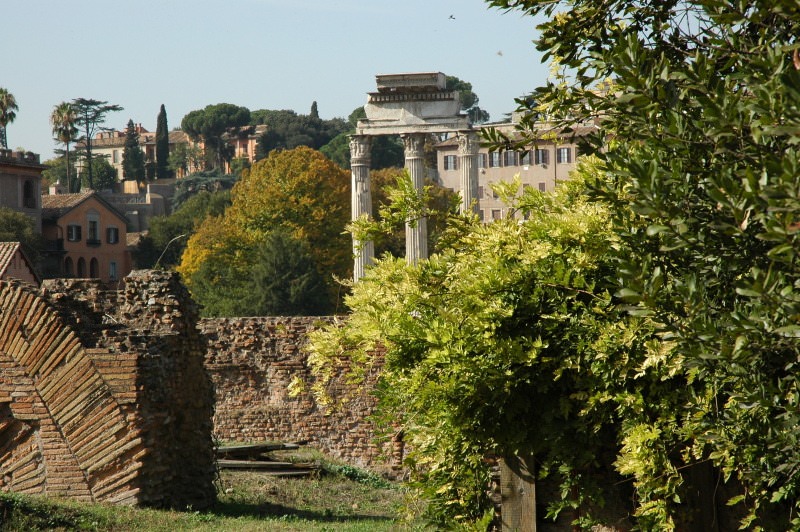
(261, 54)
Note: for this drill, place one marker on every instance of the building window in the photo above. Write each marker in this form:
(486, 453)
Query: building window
(81, 273)
(94, 269)
(525, 158)
(93, 229)
(481, 215)
(494, 159)
(482, 160)
(74, 233)
(115, 156)
(542, 187)
(564, 155)
(112, 270)
(112, 235)
(480, 191)
(450, 162)
(496, 214)
(510, 158)
(541, 156)
(28, 195)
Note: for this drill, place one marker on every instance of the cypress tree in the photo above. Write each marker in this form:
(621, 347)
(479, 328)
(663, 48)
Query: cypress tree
(162, 145)
(132, 156)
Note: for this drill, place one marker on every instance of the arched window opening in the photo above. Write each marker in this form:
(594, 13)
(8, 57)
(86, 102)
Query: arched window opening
(69, 269)
(81, 273)
(28, 195)
(94, 269)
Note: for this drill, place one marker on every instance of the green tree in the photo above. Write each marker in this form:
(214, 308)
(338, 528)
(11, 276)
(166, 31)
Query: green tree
(285, 279)
(386, 152)
(198, 182)
(90, 116)
(211, 123)
(132, 155)
(63, 121)
(299, 191)
(17, 227)
(701, 105)
(287, 130)
(183, 157)
(103, 175)
(440, 204)
(506, 341)
(162, 145)
(469, 100)
(56, 171)
(167, 235)
(8, 108)
(220, 284)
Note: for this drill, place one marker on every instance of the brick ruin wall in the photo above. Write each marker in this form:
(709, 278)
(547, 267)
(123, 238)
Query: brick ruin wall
(253, 361)
(109, 395)
(103, 395)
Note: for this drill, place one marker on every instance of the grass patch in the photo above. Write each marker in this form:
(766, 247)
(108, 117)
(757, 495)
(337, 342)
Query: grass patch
(340, 498)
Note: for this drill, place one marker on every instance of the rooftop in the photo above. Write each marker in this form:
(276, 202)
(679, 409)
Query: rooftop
(19, 157)
(56, 205)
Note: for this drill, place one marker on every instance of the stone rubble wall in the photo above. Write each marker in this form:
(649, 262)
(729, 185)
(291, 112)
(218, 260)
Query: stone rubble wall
(253, 363)
(103, 394)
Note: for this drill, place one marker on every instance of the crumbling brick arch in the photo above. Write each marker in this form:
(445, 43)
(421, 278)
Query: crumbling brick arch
(62, 431)
(103, 393)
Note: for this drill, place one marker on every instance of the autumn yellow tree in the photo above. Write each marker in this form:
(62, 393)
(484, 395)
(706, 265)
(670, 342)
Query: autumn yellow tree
(299, 192)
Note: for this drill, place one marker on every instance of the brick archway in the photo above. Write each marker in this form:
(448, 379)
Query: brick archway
(62, 430)
(103, 393)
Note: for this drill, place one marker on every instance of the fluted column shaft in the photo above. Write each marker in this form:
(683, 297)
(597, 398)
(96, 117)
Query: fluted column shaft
(467, 162)
(416, 230)
(361, 200)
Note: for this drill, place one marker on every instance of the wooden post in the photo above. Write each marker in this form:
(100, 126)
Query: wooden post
(518, 494)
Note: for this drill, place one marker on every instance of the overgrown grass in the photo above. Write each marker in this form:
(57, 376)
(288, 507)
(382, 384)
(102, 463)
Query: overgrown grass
(248, 501)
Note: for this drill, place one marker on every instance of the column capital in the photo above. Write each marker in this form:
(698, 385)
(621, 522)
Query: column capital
(468, 143)
(414, 144)
(360, 150)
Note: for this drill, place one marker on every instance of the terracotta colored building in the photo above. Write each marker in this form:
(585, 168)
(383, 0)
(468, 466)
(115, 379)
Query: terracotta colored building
(88, 234)
(14, 264)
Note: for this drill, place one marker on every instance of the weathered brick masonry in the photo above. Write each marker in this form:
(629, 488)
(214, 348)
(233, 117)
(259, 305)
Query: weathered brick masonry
(103, 395)
(252, 362)
(109, 395)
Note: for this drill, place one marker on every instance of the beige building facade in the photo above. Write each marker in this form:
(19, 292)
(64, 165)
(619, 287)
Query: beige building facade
(21, 183)
(540, 165)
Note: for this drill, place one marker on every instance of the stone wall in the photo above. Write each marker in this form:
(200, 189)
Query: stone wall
(103, 395)
(252, 362)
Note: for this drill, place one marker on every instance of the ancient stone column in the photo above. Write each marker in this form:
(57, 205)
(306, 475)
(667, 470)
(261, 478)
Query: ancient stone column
(416, 230)
(467, 162)
(361, 199)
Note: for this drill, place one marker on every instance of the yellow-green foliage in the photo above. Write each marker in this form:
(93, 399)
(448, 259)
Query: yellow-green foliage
(298, 191)
(508, 334)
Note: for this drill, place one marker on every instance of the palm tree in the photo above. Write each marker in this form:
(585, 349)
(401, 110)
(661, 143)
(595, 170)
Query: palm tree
(8, 106)
(63, 120)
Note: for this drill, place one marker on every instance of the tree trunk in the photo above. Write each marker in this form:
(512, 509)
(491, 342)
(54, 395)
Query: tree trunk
(518, 494)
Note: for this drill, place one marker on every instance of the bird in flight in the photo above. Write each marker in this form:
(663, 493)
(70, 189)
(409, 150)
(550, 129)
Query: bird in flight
(452, 17)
